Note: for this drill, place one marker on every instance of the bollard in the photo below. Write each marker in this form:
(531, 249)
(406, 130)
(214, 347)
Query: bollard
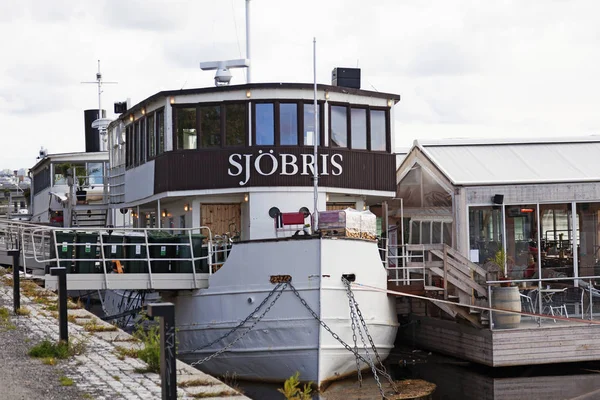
(16, 254)
(63, 322)
(168, 356)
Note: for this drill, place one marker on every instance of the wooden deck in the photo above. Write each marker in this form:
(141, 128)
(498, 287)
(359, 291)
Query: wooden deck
(529, 344)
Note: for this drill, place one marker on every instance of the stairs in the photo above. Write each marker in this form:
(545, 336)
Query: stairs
(89, 216)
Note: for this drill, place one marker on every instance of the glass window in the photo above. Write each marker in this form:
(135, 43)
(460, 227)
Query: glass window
(151, 136)
(378, 131)
(94, 171)
(265, 124)
(210, 125)
(136, 140)
(288, 124)
(160, 129)
(186, 128)
(235, 124)
(143, 141)
(309, 124)
(521, 241)
(339, 126)
(485, 231)
(358, 123)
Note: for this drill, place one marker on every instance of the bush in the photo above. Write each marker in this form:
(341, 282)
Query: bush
(151, 351)
(291, 391)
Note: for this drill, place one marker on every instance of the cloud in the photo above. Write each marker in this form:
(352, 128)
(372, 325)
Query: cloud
(144, 15)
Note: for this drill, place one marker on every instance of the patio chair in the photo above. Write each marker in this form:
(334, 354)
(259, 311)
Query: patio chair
(527, 303)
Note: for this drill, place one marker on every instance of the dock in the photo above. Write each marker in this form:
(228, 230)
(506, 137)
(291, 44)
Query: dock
(101, 371)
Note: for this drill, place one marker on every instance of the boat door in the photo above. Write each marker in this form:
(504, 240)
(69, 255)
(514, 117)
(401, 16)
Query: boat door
(222, 218)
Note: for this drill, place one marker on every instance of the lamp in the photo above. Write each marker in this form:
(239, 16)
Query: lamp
(172, 100)
(326, 95)
(131, 117)
(497, 199)
(248, 93)
(164, 213)
(390, 102)
(143, 110)
(327, 197)
(246, 197)
(186, 207)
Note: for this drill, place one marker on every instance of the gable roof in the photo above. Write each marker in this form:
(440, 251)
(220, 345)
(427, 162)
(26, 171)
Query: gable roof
(479, 162)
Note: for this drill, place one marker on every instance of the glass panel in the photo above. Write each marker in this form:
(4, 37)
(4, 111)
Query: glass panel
(485, 233)
(426, 232)
(288, 124)
(415, 232)
(151, 137)
(358, 124)
(160, 127)
(378, 134)
(186, 128)
(447, 233)
(556, 230)
(143, 141)
(136, 140)
(235, 124)
(265, 124)
(94, 171)
(436, 232)
(521, 241)
(589, 232)
(434, 195)
(410, 187)
(309, 124)
(210, 124)
(339, 126)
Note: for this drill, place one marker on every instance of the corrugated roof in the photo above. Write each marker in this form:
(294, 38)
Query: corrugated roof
(469, 162)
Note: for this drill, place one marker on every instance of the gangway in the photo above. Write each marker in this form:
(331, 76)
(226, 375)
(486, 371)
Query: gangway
(119, 258)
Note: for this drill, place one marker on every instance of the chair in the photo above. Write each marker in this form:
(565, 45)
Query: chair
(526, 303)
(558, 310)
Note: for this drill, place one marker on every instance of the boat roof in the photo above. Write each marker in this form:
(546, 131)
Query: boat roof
(471, 162)
(74, 157)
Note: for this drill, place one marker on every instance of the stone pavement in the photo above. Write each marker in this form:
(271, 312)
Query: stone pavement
(101, 371)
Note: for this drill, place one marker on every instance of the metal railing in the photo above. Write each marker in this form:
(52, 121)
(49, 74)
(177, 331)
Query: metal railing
(406, 264)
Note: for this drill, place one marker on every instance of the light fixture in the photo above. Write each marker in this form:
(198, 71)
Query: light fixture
(327, 197)
(143, 110)
(326, 95)
(390, 102)
(186, 207)
(131, 117)
(248, 93)
(246, 197)
(172, 100)
(164, 213)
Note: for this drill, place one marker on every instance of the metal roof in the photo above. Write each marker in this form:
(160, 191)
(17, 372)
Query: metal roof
(510, 161)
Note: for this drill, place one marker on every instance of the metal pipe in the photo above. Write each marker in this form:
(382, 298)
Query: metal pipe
(16, 282)
(315, 140)
(248, 76)
(63, 323)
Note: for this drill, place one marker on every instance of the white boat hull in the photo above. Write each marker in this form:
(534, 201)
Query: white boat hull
(288, 338)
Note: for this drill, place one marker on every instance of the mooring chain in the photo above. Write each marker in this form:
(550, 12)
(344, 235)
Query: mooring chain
(354, 336)
(235, 328)
(224, 349)
(362, 321)
(353, 316)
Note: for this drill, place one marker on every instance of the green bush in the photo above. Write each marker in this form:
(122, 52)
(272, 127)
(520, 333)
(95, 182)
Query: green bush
(291, 391)
(151, 351)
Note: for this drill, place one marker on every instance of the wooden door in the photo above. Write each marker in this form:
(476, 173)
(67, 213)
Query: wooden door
(221, 218)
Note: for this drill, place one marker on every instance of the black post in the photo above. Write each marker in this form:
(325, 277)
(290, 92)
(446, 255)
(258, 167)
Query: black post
(16, 254)
(63, 322)
(168, 356)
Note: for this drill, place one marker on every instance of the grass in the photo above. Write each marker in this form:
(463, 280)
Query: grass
(195, 382)
(59, 350)
(94, 326)
(87, 396)
(5, 323)
(23, 311)
(151, 351)
(222, 393)
(66, 381)
(125, 352)
(116, 378)
(49, 361)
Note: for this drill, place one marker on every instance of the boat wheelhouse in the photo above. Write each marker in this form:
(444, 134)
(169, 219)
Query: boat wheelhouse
(222, 157)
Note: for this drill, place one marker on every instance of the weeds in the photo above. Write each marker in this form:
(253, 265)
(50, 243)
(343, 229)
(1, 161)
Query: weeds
(116, 378)
(195, 382)
(151, 351)
(222, 393)
(5, 323)
(291, 391)
(66, 381)
(60, 350)
(125, 352)
(94, 326)
(23, 311)
(49, 361)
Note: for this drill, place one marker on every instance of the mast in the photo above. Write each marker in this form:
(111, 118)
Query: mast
(248, 79)
(315, 140)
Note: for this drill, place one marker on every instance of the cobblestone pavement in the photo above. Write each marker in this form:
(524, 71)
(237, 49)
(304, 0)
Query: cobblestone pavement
(99, 373)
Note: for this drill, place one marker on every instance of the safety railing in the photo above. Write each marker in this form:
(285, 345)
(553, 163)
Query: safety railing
(406, 264)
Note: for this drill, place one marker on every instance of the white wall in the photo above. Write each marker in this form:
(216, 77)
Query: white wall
(139, 182)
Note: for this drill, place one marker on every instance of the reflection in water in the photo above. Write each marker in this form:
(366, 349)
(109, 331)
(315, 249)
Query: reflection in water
(456, 379)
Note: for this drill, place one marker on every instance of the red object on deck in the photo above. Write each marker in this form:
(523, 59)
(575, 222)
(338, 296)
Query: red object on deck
(296, 218)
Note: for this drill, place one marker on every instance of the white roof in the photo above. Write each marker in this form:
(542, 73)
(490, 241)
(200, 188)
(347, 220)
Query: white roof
(477, 162)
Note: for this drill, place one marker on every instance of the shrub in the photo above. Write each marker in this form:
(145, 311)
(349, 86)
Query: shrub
(291, 391)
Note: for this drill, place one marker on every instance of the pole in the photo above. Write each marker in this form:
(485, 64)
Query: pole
(63, 322)
(16, 282)
(168, 356)
(315, 139)
(248, 77)
(99, 79)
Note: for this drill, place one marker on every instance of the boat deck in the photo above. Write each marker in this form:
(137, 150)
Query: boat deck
(530, 343)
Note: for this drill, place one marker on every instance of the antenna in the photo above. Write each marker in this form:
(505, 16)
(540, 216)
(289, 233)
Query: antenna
(223, 75)
(101, 123)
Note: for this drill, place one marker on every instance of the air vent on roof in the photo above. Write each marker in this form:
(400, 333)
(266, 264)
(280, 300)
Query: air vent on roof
(347, 77)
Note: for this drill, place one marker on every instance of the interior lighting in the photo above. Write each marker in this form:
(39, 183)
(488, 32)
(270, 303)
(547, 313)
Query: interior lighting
(327, 197)
(186, 207)
(246, 197)
(143, 110)
(131, 117)
(172, 100)
(527, 210)
(164, 213)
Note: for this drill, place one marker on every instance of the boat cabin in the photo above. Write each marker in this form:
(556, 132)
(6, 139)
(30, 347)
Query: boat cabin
(233, 157)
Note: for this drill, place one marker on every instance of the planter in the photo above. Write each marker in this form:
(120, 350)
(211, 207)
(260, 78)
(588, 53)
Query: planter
(506, 298)
(81, 195)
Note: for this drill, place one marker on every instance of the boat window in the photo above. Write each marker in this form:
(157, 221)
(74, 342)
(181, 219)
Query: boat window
(265, 124)
(309, 125)
(186, 128)
(210, 126)
(288, 124)
(160, 129)
(358, 126)
(128, 146)
(94, 172)
(339, 126)
(151, 136)
(378, 136)
(143, 141)
(235, 124)
(136, 143)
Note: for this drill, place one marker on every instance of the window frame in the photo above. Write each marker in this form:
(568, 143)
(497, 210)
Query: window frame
(349, 107)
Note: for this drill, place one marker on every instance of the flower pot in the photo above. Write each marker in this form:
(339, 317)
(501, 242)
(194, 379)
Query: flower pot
(506, 298)
(81, 195)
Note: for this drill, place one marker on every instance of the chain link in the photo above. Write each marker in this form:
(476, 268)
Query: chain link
(354, 337)
(234, 329)
(224, 349)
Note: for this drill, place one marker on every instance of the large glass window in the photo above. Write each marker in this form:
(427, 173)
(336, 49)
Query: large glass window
(485, 233)
(265, 124)
(309, 125)
(210, 125)
(378, 130)
(160, 130)
(235, 124)
(358, 124)
(186, 128)
(521, 241)
(288, 124)
(95, 173)
(588, 239)
(151, 136)
(339, 126)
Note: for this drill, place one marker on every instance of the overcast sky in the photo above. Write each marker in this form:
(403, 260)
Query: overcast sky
(463, 68)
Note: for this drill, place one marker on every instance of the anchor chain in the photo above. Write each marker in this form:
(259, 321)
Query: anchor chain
(224, 349)
(238, 326)
(354, 339)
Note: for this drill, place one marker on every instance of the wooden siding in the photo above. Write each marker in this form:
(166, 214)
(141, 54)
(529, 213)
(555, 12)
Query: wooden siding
(208, 169)
(221, 218)
(549, 344)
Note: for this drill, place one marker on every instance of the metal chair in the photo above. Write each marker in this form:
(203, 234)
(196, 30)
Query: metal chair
(526, 303)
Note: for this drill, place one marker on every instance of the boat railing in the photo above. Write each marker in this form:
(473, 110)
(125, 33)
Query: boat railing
(406, 264)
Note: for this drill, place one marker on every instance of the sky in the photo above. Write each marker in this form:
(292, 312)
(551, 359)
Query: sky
(463, 69)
